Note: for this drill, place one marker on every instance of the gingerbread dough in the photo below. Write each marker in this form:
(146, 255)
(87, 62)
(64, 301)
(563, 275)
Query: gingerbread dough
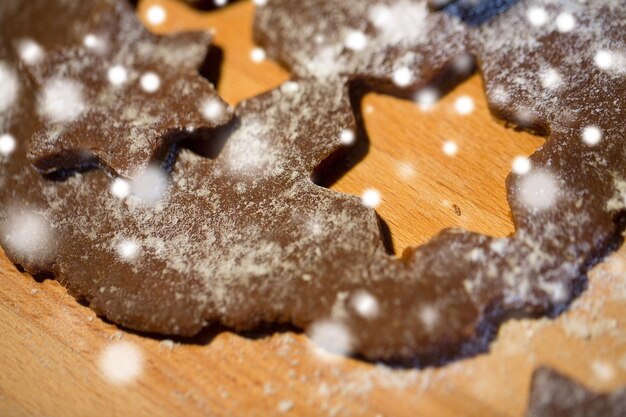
(247, 237)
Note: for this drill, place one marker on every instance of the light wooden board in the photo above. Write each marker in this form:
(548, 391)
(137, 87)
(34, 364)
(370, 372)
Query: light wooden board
(51, 347)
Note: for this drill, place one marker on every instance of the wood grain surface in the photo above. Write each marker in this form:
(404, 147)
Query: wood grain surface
(52, 348)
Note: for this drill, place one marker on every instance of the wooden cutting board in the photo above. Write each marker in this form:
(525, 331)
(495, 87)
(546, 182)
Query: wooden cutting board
(53, 350)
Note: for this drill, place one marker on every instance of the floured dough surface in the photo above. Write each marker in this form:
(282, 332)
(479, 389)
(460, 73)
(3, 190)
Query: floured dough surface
(246, 237)
(120, 96)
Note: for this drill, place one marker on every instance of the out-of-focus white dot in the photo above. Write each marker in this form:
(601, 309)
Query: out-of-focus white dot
(150, 185)
(117, 75)
(128, 250)
(521, 165)
(603, 59)
(156, 14)
(538, 190)
(212, 109)
(27, 234)
(380, 15)
(61, 100)
(550, 78)
(369, 109)
(150, 82)
(120, 188)
(10, 86)
(429, 316)
(284, 406)
(331, 336)
(464, 105)
(220, 3)
(257, 55)
(290, 87)
(402, 77)
(121, 363)
(356, 40)
(91, 41)
(7, 144)
(565, 22)
(556, 290)
(463, 64)
(524, 117)
(426, 98)
(365, 304)
(499, 94)
(405, 170)
(347, 137)
(371, 198)
(30, 52)
(537, 16)
(592, 135)
(260, 2)
(450, 148)
(315, 228)
(603, 370)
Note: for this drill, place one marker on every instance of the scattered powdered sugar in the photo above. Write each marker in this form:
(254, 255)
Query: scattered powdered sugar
(537, 16)
(128, 250)
(565, 22)
(464, 105)
(257, 55)
(150, 82)
(94, 42)
(365, 304)
(550, 78)
(251, 151)
(538, 190)
(29, 235)
(356, 40)
(518, 349)
(156, 14)
(31, 53)
(332, 337)
(125, 66)
(213, 109)
(150, 185)
(427, 97)
(61, 100)
(7, 144)
(591, 135)
(403, 77)
(581, 35)
(371, 198)
(347, 137)
(521, 165)
(402, 22)
(430, 316)
(450, 148)
(284, 406)
(10, 86)
(253, 251)
(117, 75)
(121, 363)
(290, 87)
(120, 188)
(394, 37)
(603, 371)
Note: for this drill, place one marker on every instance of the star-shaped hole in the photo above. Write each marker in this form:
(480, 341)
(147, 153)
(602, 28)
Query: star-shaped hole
(428, 157)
